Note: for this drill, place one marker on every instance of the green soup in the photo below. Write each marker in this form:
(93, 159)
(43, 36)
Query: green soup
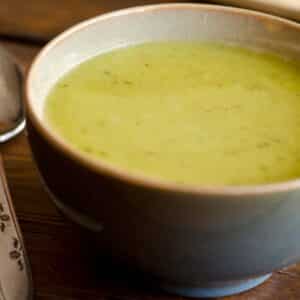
(191, 113)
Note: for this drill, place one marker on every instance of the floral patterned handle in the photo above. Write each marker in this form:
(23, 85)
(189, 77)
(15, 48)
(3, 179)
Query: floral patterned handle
(15, 275)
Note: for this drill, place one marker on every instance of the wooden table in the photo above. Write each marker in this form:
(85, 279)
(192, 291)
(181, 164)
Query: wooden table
(64, 264)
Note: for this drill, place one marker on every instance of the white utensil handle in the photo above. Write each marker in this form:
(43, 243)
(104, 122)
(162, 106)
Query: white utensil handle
(15, 275)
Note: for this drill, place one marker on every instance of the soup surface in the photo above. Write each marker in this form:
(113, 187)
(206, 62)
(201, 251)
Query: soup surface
(193, 113)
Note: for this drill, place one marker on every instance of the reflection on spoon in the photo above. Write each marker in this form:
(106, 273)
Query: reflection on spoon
(12, 120)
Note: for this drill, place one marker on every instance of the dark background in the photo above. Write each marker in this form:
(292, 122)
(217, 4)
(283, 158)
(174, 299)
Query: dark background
(40, 20)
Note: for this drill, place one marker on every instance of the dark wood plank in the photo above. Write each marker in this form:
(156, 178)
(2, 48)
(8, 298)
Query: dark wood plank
(64, 261)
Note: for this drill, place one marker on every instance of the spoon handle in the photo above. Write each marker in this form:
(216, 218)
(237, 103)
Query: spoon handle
(15, 275)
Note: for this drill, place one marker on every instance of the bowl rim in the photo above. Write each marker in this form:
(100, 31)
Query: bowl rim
(136, 178)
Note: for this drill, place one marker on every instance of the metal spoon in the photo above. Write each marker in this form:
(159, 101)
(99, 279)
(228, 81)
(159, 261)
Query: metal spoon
(15, 275)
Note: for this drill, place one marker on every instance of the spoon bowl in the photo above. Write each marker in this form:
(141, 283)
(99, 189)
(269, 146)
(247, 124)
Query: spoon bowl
(12, 117)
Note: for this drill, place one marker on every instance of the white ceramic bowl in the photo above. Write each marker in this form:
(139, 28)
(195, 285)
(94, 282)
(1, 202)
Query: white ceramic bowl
(193, 240)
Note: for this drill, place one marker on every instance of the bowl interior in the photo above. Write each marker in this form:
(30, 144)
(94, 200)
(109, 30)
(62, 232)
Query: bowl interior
(183, 22)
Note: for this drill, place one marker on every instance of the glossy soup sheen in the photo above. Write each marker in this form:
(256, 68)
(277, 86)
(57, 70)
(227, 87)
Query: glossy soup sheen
(204, 114)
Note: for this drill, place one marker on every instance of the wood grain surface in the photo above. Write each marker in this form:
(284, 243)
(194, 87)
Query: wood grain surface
(64, 263)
